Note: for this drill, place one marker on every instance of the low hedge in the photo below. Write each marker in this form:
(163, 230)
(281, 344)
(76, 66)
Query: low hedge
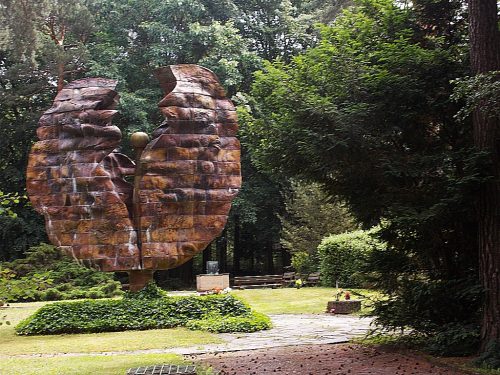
(216, 313)
(221, 324)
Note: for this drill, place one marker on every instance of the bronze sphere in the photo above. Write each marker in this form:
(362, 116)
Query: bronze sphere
(139, 139)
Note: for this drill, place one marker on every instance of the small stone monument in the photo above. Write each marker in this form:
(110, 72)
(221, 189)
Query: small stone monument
(347, 306)
(343, 307)
(212, 280)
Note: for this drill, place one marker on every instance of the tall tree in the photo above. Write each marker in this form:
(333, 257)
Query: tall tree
(275, 28)
(310, 216)
(135, 37)
(485, 57)
(42, 44)
(367, 113)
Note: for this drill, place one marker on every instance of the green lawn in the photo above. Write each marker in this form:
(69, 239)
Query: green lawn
(269, 301)
(11, 344)
(84, 365)
(307, 300)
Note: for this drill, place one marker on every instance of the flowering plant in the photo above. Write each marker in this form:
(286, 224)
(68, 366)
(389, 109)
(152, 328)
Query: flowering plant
(216, 290)
(338, 294)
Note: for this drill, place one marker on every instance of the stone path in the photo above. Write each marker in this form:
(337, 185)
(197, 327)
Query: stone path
(288, 330)
(298, 330)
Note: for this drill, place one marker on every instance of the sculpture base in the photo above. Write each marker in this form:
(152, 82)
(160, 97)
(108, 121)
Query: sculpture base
(204, 283)
(139, 279)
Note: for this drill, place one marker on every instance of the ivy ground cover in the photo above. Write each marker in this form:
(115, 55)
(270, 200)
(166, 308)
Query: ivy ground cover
(216, 313)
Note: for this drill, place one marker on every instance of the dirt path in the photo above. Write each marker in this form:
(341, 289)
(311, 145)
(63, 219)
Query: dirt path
(339, 359)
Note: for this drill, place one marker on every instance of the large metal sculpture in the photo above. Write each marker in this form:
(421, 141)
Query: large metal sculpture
(184, 179)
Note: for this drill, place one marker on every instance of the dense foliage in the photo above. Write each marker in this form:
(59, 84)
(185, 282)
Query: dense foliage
(310, 216)
(231, 315)
(343, 257)
(370, 113)
(225, 324)
(48, 275)
(443, 312)
(45, 44)
(373, 106)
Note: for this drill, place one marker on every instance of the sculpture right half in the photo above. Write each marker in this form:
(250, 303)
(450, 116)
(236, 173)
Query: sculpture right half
(190, 172)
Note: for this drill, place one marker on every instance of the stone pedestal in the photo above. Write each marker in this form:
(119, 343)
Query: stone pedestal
(139, 279)
(207, 282)
(343, 307)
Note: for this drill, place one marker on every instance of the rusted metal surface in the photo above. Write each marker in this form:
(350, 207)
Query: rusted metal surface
(191, 169)
(186, 179)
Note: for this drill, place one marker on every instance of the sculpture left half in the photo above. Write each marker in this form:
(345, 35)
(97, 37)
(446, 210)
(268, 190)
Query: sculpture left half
(76, 179)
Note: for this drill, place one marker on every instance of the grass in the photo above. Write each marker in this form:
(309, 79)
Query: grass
(269, 301)
(84, 365)
(306, 300)
(12, 344)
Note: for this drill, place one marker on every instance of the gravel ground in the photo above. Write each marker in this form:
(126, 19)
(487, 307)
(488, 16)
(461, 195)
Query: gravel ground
(339, 359)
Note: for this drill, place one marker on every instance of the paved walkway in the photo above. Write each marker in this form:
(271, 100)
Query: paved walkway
(288, 330)
(298, 330)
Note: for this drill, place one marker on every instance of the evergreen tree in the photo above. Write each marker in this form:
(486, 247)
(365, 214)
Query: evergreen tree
(367, 113)
(310, 216)
(485, 57)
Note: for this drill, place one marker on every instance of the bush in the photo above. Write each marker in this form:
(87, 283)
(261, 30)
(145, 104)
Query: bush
(225, 312)
(453, 340)
(425, 306)
(48, 275)
(151, 291)
(443, 313)
(343, 257)
(304, 263)
(490, 358)
(221, 324)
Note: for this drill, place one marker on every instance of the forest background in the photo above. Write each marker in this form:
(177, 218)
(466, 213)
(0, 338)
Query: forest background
(352, 114)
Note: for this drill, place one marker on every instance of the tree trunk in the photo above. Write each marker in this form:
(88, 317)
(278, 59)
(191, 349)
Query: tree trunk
(207, 255)
(237, 246)
(253, 258)
(60, 76)
(221, 248)
(184, 273)
(187, 274)
(286, 258)
(270, 257)
(485, 57)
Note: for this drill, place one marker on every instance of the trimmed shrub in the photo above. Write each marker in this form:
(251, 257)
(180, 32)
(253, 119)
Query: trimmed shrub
(343, 257)
(222, 324)
(142, 313)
